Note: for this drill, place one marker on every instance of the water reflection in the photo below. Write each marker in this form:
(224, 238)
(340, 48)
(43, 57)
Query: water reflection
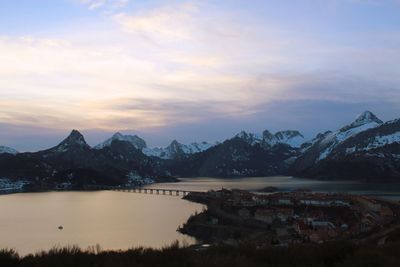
(285, 183)
(115, 220)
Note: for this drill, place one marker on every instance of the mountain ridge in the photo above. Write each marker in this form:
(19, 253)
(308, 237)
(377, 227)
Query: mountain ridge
(366, 148)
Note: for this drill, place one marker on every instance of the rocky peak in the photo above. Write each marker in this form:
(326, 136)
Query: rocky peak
(74, 140)
(288, 134)
(365, 118)
(250, 138)
(134, 140)
(267, 135)
(175, 146)
(75, 137)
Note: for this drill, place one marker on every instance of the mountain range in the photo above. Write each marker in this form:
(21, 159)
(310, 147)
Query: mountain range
(366, 149)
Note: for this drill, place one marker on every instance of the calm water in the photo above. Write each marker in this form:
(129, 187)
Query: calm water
(385, 190)
(119, 220)
(114, 220)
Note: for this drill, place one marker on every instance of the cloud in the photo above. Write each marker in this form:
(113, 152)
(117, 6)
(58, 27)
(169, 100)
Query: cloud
(170, 22)
(182, 63)
(109, 4)
(93, 4)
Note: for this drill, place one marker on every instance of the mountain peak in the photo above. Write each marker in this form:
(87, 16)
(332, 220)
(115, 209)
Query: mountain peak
(250, 138)
(175, 143)
(74, 140)
(76, 137)
(288, 134)
(134, 140)
(365, 120)
(366, 117)
(117, 135)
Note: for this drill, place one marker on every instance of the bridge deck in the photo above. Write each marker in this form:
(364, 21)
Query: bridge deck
(142, 190)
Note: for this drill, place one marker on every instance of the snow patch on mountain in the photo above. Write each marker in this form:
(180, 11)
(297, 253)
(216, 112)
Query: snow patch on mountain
(176, 148)
(8, 150)
(343, 135)
(291, 138)
(327, 142)
(250, 138)
(384, 140)
(135, 140)
(376, 142)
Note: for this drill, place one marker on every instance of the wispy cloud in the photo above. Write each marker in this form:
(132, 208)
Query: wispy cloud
(185, 62)
(168, 23)
(110, 4)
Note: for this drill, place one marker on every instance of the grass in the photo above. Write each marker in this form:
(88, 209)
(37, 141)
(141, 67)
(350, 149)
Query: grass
(334, 254)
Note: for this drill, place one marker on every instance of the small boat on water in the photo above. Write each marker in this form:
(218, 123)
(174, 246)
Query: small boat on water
(60, 227)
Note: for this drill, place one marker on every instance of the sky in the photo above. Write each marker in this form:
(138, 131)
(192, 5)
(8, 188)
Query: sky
(194, 70)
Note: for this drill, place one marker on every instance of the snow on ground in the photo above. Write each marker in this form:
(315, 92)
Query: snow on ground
(9, 150)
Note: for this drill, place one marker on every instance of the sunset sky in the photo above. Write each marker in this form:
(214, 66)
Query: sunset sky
(193, 70)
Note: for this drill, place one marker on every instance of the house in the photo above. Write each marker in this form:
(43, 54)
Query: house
(324, 202)
(265, 215)
(284, 201)
(284, 235)
(387, 213)
(319, 236)
(317, 224)
(369, 204)
(244, 213)
(284, 214)
(260, 199)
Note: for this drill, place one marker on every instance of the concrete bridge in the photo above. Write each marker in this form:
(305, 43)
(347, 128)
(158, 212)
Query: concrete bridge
(142, 190)
(10, 191)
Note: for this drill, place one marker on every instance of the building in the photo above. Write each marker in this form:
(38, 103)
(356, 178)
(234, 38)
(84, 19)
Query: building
(244, 213)
(265, 215)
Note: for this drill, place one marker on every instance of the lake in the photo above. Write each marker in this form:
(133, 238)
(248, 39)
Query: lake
(285, 183)
(114, 220)
(120, 220)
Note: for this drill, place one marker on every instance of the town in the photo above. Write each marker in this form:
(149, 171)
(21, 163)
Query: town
(301, 216)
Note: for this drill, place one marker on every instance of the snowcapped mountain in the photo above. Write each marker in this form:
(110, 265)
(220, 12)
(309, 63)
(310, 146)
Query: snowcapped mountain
(292, 138)
(372, 139)
(364, 120)
(383, 140)
(176, 149)
(366, 149)
(8, 150)
(323, 144)
(74, 162)
(250, 138)
(135, 140)
(173, 150)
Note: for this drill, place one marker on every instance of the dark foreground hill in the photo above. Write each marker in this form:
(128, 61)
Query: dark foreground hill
(337, 254)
